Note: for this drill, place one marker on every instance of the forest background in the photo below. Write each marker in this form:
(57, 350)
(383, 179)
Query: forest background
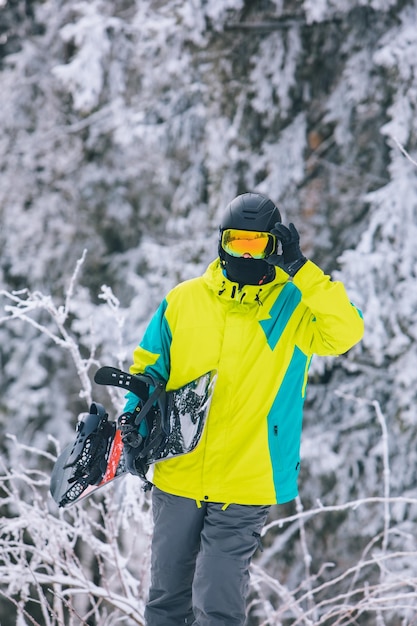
(126, 126)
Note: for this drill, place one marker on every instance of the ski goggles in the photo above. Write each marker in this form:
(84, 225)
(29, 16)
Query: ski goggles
(248, 243)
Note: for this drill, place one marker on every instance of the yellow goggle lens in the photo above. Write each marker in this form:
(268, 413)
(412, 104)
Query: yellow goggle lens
(254, 244)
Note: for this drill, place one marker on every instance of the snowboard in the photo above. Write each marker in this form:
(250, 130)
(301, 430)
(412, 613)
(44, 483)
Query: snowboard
(101, 453)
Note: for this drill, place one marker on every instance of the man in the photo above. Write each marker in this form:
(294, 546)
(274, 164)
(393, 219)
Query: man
(257, 315)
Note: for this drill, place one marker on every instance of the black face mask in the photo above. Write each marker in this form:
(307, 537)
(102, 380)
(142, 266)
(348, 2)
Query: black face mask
(246, 271)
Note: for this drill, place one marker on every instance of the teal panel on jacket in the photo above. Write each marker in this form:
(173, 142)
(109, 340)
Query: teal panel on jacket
(281, 311)
(284, 428)
(157, 340)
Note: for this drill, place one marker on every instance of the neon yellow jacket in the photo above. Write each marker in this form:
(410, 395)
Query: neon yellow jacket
(260, 340)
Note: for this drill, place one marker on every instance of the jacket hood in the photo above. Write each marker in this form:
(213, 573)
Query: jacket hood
(225, 288)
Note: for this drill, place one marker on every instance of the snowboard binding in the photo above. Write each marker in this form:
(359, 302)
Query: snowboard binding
(84, 462)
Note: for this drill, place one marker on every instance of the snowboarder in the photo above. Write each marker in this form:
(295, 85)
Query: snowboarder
(257, 315)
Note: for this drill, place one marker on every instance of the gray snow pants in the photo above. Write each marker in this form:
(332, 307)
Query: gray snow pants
(200, 561)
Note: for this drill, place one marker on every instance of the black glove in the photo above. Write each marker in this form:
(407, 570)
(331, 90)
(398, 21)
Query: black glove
(129, 430)
(291, 258)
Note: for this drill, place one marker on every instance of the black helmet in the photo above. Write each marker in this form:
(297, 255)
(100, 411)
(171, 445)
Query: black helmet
(251, 211)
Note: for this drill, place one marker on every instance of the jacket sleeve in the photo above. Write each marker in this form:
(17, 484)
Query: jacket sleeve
(152, 355)
(331, 324)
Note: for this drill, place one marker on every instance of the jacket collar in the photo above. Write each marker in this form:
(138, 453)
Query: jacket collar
(229, 290)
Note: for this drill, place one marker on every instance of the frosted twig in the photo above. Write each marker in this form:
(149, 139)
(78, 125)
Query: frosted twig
(20, 609)
(387, 512)
(307, 556)
(113, 303)
(26, 302)
(385, 457)
(31, 449)
(73, 281)
(403, 150)
(352, 504)
(291, 603)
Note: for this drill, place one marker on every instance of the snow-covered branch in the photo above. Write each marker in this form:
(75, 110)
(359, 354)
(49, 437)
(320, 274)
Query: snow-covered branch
(28, 307)
(47, 557)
